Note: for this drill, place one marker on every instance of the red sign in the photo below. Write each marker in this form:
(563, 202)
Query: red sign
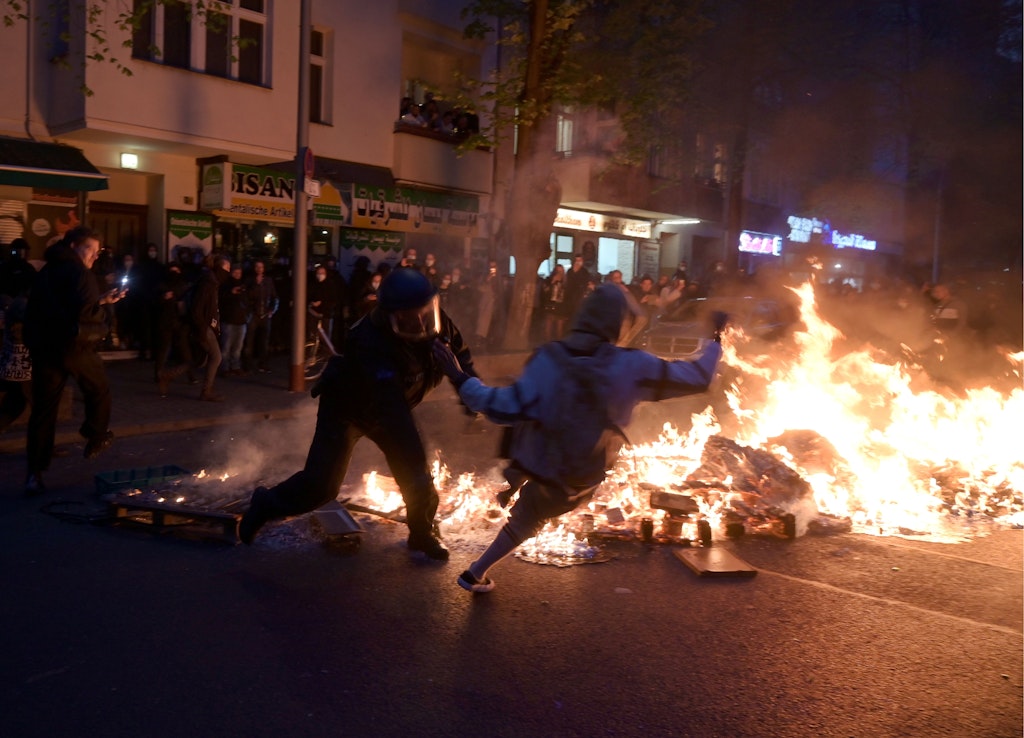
(309, 163)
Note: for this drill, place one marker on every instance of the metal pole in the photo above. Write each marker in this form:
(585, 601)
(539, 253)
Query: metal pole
(297, 381)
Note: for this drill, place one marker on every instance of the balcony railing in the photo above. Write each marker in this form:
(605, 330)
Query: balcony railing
(431, 158)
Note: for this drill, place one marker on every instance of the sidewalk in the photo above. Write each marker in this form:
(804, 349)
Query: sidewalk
(139, 409)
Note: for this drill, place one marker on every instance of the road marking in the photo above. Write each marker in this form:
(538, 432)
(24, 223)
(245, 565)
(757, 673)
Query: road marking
(898, 603)
(896, 544)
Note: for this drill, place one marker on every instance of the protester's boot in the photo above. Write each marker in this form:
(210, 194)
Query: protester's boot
(259, 514)
(429, 544)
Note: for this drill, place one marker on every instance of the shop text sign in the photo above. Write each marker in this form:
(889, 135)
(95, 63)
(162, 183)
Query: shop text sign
(241, 191)
(752, 242)
(409, 210)
(803, 229)
(597, 223)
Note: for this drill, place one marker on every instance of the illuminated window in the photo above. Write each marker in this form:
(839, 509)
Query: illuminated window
(563, 132)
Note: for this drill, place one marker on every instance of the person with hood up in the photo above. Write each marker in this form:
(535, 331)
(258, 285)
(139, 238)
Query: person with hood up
(386, 369)
(540, 459)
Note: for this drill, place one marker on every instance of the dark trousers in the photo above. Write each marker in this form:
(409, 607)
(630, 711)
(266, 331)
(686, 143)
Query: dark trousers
(172, 337)
(329, 456)
(16, 398)
(208, 341)
(257, 343)
(49, 377)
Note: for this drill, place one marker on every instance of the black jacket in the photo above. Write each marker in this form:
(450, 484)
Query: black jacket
(204, 310)
(64, 310)
(234, 302)
(379, 377)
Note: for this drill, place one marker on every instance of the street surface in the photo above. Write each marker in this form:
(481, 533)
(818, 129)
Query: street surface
(117, 631)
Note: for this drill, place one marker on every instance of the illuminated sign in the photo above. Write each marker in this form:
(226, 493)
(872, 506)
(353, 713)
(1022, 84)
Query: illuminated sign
(238, 191)
(803, 229)
(752, 242)
(852, 241)
(597, 223)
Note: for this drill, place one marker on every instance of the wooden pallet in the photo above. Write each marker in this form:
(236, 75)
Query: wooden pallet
(163, 517)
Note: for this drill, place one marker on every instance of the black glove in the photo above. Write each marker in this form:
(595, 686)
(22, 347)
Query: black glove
(448, 363)
(719, 321)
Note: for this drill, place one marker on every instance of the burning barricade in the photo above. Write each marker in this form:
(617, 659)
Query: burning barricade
(820, 440)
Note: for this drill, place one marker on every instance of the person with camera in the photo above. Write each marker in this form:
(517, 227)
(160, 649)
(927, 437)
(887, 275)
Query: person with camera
(65, 320)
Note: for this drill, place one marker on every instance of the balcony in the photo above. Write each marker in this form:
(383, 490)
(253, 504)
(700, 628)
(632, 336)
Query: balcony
(430, 159)
(592, 178)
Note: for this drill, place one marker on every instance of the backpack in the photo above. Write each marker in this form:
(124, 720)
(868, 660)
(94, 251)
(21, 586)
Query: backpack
(581, 441)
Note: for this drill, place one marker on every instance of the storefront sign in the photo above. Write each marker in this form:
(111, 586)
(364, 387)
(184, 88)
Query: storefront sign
(596, 222)
(752, 242)
(190, 230)
(376, 246)
(334, 206)
(410, 210)
(852, 241)
(801, 229)
(242, 192)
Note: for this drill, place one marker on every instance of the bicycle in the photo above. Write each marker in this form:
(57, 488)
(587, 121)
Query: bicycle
(318, 350)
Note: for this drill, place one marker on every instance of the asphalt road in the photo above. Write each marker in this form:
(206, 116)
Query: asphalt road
(115, 631)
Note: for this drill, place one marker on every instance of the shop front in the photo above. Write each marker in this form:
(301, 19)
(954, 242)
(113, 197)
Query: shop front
(42, 191)
(387, 220)
(841, 258)
(253, 211)
(607, 243)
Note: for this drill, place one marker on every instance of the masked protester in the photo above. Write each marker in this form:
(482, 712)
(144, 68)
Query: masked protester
(386, 369)
(566, 412)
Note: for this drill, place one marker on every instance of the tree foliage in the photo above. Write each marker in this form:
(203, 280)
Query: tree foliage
(629, 59)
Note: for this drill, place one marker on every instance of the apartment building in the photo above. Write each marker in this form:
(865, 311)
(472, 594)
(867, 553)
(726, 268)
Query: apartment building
(189, 139)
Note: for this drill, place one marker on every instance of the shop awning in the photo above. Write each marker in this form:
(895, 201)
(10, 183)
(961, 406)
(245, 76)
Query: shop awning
(350, 172)
(25, 163)
(340, 171)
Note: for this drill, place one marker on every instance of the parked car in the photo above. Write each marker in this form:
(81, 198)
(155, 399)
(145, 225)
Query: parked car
(683, 330)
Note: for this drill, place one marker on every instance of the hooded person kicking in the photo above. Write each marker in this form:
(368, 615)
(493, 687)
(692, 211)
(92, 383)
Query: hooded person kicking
(566, 411)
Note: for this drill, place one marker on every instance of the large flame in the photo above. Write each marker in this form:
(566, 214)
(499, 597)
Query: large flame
(902, 460)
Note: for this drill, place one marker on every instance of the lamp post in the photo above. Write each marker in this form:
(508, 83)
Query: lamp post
(297, 381)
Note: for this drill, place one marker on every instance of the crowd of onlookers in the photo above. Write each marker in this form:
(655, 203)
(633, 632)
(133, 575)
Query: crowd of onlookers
(431, 115)
(164, 315)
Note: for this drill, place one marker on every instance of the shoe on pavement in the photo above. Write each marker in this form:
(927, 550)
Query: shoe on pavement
(34, 485)
(98, 444)
(255, 517)
(471, 584)
(210, 396)
(429, 545)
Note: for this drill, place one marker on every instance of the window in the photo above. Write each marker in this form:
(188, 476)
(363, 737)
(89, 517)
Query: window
(561, 253)
(319, 81)
(563, 133)
(177, 35)
(250, 51)
(229, 42)
(142, 35)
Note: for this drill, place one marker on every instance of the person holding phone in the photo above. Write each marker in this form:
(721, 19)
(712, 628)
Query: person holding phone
(65, 320)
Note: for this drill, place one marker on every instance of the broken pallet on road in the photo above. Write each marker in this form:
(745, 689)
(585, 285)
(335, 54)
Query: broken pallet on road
(164, 517)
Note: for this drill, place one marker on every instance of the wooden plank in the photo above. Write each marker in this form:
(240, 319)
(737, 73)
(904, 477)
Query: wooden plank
(714, 561)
